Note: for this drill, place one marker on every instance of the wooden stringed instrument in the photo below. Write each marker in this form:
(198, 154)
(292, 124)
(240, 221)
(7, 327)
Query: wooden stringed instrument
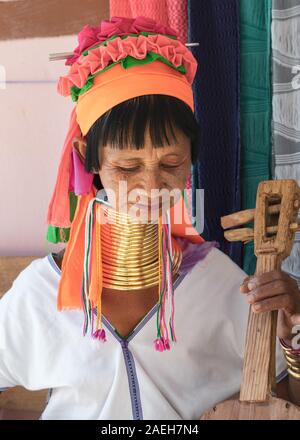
(275, 224)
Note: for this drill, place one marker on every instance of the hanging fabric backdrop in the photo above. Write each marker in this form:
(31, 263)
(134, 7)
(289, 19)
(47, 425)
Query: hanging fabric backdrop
(247, 101)
(286, 105)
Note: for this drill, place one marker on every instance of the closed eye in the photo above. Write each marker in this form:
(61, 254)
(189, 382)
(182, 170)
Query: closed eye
(128, 170)
(131, 170)
(170, 166)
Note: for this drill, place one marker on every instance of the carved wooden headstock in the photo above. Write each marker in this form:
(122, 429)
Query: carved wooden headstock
(275, 218)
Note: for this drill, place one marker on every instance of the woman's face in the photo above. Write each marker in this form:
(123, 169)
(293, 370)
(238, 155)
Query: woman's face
(146, 177)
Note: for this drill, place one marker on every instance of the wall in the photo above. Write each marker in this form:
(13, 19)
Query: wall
(34, 121)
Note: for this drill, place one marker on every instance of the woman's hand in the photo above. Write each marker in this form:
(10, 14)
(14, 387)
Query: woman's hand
(275, 290)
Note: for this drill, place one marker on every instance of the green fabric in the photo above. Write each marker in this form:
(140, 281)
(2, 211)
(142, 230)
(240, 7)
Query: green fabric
(104, 43)
(256, 106)
(126, 62)
(53, 232)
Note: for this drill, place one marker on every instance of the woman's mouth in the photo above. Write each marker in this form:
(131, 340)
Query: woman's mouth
(148, 206)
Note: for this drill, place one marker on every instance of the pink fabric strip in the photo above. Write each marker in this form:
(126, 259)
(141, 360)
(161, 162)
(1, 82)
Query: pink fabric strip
(80, 181)
(171, 13)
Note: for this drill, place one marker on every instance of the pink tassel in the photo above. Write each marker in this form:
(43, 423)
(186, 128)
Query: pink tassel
(100, 334)
(166, 344)
(161, 344)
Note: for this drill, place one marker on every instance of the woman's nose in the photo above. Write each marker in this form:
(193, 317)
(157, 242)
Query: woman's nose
(151, 180)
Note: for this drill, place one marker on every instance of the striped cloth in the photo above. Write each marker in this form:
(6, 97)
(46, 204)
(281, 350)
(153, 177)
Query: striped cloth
(286, 105)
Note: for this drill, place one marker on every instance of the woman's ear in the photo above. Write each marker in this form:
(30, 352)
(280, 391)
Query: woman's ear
(80, 146)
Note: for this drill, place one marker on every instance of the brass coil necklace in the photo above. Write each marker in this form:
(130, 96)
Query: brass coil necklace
(130, 252)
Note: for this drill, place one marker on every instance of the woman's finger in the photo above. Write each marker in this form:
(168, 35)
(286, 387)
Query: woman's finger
(244, 285)
(285, 302)
(272, 289)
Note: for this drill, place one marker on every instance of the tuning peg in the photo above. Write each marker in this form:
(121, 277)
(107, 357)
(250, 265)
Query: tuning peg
(247, 234)
(241, 234)
(237, 218)
(273, 229)
(245, 216)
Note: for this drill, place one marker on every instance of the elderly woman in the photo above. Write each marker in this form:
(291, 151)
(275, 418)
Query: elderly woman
(127, 262)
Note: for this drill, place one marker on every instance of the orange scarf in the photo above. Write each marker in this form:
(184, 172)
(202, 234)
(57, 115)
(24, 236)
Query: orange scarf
(69, 292)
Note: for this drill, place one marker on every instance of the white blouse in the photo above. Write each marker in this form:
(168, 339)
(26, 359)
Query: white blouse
(125, 378)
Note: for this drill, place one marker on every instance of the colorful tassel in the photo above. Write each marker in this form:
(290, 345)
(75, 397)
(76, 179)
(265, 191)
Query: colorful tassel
(166, 292)
(92, 276)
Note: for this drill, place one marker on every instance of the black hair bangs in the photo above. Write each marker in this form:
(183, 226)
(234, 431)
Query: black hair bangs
(124, 126)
